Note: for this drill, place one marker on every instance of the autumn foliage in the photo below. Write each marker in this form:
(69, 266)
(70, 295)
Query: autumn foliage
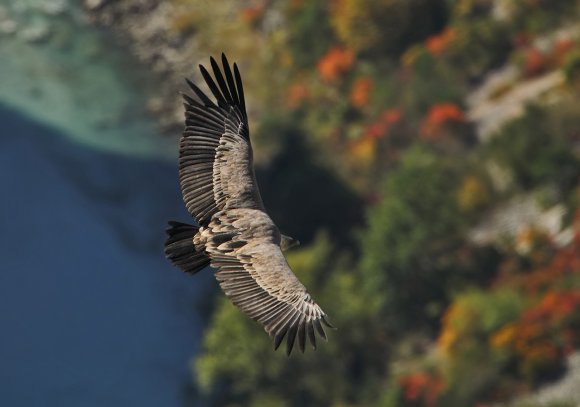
(544, 334)
(421, 389)
(437, 44)
(383, 126)
(439, 118)
(379, 93)
(336, 62)
(538, 61)
(360, 93)
(297, 94)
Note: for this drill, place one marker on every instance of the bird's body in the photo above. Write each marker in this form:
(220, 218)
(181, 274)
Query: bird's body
(235, 235)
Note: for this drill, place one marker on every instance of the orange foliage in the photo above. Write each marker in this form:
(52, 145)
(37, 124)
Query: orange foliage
(457, 320)
(384, 124)
(522, 39)
(336, 62)
(253, 14)
(549, 329)
(536, 62)
(362, 150)
(422, 387)
(544, 333)
(565, 261)
(561, 48)
(554, 308)
(505, 337)
(360, 93)
(439, 117)
(437, 44)
(297, 93)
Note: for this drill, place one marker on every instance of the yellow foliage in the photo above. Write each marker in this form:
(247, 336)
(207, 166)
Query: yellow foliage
(458, 319)
(505, 337)
(473, 194)
(363, 150)
(353, 23)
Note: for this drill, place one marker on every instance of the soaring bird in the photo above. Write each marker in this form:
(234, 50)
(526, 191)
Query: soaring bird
(234, 234)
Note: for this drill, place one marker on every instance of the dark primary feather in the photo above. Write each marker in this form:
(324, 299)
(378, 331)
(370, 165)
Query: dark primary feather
(216, 131)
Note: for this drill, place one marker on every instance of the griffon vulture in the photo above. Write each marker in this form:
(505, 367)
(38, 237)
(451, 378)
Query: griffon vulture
(235, 235)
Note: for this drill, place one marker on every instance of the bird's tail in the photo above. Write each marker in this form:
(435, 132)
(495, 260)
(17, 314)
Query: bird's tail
(179, 248)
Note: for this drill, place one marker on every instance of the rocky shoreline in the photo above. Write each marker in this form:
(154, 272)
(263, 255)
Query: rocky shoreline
(145, 28)
(61, 71)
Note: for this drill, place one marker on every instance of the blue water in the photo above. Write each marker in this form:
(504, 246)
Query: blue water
(91, 312)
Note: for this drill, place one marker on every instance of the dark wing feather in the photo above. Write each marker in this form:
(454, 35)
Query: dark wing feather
(215, 156)
(253, 273)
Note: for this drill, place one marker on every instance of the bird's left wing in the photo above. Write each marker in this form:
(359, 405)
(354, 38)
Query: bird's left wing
(215, 155)
(254, 274)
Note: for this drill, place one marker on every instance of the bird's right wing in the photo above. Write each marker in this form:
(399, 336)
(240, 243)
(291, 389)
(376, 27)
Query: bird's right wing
(254, 274)
(215, 155)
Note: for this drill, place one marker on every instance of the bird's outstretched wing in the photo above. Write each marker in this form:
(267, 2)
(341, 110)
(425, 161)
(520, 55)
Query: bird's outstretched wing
(220, 190)
(254, 274)
(215, 156)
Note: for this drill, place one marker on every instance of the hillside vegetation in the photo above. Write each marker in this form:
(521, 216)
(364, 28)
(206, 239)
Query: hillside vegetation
(371, 151)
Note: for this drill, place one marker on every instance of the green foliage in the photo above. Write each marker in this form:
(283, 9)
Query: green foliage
(540, 15)
(412, 235)
(237, 357)
(434, 82)
(325, 148)
(310, 33)
(535, 152)
(481, 45)
(386, 25)
(572, 68)
(295, 178)
(546, 404)
(469, 9)
(470, 365)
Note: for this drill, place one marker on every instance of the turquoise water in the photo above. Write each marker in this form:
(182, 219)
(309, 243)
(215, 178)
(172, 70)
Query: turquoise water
(91, 312)
(59, 71)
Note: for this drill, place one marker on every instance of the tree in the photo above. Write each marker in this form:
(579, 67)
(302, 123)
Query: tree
(386, 25)
(410, 247)
(534, 150)
(238, 365)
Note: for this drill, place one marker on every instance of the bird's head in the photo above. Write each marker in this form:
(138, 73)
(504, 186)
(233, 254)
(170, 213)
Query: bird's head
(287, 242)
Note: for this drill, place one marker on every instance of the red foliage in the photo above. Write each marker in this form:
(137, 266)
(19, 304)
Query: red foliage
(297, 93)
(561, 49)
(336, 62)
(522, 40)
(565, 261)
(536, 62)
(437, 44)
(422, 388)
(382, 127)
(440, 116)
(550, 329)
(253, 14)
(360, 93)
(554, 308)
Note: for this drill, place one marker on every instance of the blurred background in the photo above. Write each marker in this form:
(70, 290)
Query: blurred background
(425, 152)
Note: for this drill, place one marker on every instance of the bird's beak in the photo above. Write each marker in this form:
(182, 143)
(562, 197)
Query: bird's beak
(288, 242)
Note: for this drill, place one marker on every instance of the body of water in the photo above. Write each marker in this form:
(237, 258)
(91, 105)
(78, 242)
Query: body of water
(91, 312)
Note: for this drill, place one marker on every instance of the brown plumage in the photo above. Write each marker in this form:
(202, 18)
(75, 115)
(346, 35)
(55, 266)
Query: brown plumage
(235, 235)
